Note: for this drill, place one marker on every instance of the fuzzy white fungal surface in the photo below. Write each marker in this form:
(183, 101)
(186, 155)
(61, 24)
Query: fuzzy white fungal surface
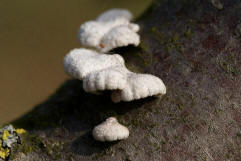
(106, 79)
(110, 30)
(81, 62)
(110, 130)
(139, 86)
(120, 36)
(114, 14)
(101, 72)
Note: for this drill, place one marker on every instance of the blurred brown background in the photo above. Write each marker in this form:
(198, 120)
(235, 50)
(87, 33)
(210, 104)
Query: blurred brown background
(34, 37)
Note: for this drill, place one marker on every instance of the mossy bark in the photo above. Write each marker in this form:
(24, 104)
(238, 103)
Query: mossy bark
(195, 48)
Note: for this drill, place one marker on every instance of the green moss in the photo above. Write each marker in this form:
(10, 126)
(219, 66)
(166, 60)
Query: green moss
(170, 47)
(160, 37)
(170, 42)
(136, 122)
(27, 149)
(110, 151)
(31, 143)
(54, 148)
(175, 38)
(136, 58)
(179, 48)
(229, 64)
(188, 33)
(147, 56)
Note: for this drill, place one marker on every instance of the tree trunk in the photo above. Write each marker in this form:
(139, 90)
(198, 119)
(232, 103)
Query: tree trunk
(194, 46)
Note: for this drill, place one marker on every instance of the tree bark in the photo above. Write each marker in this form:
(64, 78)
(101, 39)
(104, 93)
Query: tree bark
(194, 46)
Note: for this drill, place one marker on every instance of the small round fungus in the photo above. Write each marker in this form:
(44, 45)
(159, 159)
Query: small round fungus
(110, 30)
(110, 130)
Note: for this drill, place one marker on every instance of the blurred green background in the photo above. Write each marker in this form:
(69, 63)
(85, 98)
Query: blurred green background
(34, 37)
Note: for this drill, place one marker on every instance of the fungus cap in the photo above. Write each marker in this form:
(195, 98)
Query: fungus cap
(110, 130)
(106, 79)
(114, 14)
(91, 32)
(120, 36)
(78, 63)
(111, 26)
(101, 72)
(139, 86)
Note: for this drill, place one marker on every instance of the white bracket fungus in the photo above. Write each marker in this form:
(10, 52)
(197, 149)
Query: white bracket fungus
(110, 130)
(139, 86)
(108, 72)
(100, 71)
(110, 30)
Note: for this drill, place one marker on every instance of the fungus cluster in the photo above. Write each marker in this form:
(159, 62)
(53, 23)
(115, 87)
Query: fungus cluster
(100, 71)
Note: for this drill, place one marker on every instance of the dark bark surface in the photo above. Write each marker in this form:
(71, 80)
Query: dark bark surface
(195, 48)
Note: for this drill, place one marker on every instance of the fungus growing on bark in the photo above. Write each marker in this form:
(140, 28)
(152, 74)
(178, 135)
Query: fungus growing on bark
(96, 70)
(110, 130)
(101, 72)
(139, 86)
(110, 30)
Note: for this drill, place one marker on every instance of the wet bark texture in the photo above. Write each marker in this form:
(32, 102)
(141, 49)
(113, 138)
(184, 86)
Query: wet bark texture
(195, 48)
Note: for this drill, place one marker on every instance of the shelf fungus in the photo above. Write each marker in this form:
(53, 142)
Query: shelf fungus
(110, 130)
(110, 30)
(101, 72)
(139, 86)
